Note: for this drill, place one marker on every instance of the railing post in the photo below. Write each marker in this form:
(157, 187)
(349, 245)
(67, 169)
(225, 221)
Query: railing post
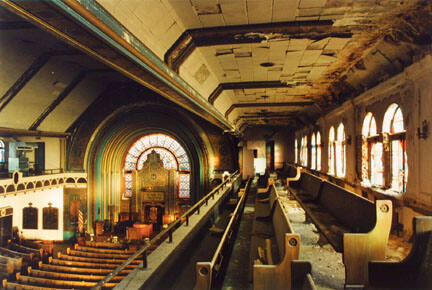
(144, 259)
(187, 220)
(198, 209)
(170, 236)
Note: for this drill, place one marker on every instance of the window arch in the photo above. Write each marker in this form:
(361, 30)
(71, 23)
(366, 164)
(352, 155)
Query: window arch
(295, 151)
(340, 151)
(316, 151)
(304, 151)
(173, 156)
(313, 151)
(2, 152)
(372, 154)
(331, 151)
(394, 136)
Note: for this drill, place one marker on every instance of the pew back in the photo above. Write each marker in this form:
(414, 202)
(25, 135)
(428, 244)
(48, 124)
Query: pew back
(352, 210)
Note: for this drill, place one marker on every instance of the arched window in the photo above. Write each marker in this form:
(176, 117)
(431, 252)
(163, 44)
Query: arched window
(318, 150)
(172, 154)
(304, 151)
(2, 152)
(313, 151)
(372, 154)
(394, 135)
(340, 151)
(331, 151)
(295, 151)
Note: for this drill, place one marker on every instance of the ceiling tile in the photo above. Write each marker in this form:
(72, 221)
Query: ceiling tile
(259, 11)
(312, 3)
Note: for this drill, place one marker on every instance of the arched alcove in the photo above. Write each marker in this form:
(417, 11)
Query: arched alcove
(111, 142)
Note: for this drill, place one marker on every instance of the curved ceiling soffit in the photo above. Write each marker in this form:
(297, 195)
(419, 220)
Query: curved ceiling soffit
(140, 121)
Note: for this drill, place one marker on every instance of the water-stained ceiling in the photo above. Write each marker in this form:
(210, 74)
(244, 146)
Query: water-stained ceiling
(241, 63)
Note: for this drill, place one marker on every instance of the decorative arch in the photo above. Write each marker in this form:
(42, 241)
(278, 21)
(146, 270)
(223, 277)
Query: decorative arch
(340, 151)
(372, 154)
(115, 136)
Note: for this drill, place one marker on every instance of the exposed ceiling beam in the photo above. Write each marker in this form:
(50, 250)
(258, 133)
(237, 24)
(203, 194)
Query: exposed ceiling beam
(249, 105)
(13, 25)
(253, 33)
(22, 132)
(244, 85)
(37, 64)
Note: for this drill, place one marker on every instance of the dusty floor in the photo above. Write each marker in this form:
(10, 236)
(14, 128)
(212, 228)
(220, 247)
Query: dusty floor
(328, 270)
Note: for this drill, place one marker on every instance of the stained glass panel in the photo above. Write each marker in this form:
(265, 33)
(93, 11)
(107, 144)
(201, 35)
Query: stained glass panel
(340, 151)
(313, 151)
(172, 154)
(376, 164)
(331, 149)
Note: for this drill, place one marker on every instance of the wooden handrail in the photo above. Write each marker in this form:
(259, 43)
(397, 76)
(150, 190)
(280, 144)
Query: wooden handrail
(165, 233)
(204, 270)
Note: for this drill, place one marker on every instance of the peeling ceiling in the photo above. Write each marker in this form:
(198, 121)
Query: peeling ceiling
(256, 62)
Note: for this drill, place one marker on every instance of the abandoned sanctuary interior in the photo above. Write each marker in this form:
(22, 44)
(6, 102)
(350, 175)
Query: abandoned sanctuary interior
(216, 144)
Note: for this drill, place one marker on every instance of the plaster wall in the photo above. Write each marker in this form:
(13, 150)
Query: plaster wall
(39, 199)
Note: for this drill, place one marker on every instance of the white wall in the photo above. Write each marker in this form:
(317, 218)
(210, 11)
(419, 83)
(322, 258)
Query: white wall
(39, 199)
(52, 150)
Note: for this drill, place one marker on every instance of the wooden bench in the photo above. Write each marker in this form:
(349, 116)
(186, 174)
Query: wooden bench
(93, 260)
(104, 245)
(38, 253)
(16, 286)
(270, 182)
(9, 265)
(274, 253)
(46, 246)
(353, 225)
(37, 281)
(264, 207)
(80, 270)
(86, 264)
(99, 250)
(96, 255)
(69, 276)
(415, 271)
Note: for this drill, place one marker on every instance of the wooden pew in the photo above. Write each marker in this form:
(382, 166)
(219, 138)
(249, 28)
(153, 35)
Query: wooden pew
(23, 249)
(9, 265)
(46, 246)
(270, 182)
(100, 250)
(86, 264)
(78, 270)
(353, 225)
(104, 245)
(93, 260)
(58, 283)
(288, 272)
(16, 286)
(415, 271)
(69, 276)
(14, 254)
(96, 255)
(264, 207)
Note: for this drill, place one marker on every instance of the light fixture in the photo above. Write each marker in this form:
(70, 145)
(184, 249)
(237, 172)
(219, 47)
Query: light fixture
(422, 132)
(267, 64)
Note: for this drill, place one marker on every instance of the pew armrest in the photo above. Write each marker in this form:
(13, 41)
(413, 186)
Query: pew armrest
(278, 276)
(295, 178)
(360, 248)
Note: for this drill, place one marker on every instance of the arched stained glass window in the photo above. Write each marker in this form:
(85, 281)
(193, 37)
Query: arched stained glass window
(172, 154)
(295, 151)
(331, 151)
(340, 151)
(303, 151)
(2, 152)
(318, 150)
(394, 134)
(313, 151)
(372, 154)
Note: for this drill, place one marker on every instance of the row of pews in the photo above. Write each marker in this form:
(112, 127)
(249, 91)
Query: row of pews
(353, 225)
(82, 266)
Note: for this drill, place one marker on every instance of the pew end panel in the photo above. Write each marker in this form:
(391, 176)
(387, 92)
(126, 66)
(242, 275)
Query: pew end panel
(203, 276)
(415, 271)
(295, 178)
(360, 248)
(270, 183)
(301, 276)
(278, 276)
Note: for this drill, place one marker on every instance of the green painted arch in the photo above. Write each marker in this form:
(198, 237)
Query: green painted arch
(113, 138)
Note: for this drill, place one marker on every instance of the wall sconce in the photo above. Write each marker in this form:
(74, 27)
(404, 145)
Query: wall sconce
(348, 139)
(422, 132)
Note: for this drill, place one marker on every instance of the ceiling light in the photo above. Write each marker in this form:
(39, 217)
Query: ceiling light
(267, 64)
